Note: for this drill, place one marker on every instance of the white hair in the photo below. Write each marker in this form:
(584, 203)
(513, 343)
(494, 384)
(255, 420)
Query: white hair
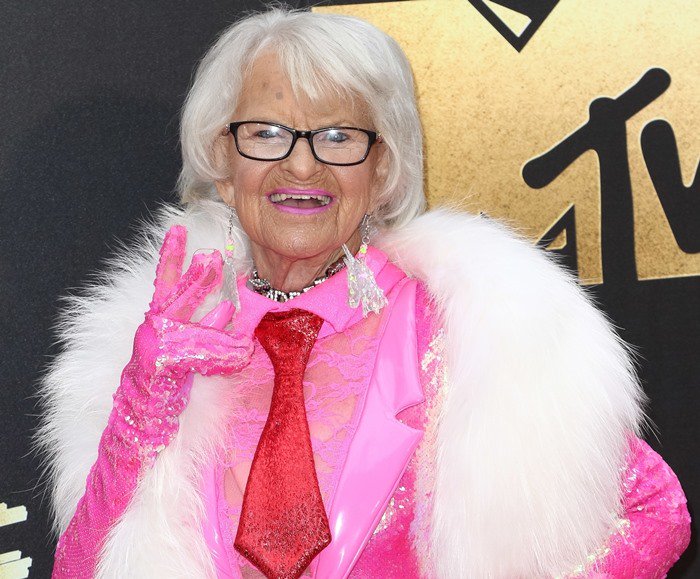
(321, 54)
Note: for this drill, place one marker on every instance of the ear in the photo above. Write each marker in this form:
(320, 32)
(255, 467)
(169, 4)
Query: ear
(381, 174)
(221, 150)
(225, 190)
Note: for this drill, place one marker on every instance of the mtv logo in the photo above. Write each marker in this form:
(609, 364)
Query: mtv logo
(586, 140)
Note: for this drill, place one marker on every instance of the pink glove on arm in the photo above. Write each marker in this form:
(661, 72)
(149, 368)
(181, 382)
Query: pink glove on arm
(154, 390)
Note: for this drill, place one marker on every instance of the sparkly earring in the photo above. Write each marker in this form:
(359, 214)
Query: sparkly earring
(230, 287)
(362, 287)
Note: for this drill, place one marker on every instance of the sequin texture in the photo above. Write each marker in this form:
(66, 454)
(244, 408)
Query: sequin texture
(654, 528)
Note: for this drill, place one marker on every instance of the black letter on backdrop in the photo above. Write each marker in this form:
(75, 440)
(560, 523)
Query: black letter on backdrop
(605, 132)
(681, 204)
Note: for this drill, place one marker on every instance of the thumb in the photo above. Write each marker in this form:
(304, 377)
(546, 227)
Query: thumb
(220, 316)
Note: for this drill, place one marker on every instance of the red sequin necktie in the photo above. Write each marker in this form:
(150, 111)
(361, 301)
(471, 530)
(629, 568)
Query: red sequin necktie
(283, 523)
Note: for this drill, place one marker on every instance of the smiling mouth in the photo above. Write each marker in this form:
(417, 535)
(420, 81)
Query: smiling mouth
(299, 200)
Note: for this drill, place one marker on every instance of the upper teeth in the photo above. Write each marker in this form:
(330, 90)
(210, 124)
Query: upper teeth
(279, 197)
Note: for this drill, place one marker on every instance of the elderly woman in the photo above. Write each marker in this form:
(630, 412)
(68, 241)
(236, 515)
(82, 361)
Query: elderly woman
(442, 402)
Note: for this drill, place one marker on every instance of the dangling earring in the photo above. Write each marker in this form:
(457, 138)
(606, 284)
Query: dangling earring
(362, 287)
(230, 286)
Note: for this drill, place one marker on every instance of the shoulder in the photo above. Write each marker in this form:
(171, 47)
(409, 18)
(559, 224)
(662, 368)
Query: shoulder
(539, 389)
(446, 249)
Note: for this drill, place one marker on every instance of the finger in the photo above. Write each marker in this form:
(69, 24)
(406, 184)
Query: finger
(207, 350)
(220, 316)
(202, 277)
(169, 268)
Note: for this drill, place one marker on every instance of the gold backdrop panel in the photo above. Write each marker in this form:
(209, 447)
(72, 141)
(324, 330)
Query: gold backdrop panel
(488, 109)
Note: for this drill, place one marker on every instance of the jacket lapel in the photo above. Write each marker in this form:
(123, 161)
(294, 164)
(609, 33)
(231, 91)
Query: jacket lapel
(382, 445)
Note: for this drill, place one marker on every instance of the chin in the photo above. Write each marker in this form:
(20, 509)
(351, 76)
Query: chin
(300, 247)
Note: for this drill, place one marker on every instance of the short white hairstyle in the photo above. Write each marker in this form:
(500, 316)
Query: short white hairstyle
(322, 54)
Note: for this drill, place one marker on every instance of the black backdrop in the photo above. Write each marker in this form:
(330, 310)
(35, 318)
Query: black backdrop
(89, 101)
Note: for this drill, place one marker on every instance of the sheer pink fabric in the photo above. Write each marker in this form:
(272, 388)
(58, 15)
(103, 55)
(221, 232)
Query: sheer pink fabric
(336, 381)
(334, 384)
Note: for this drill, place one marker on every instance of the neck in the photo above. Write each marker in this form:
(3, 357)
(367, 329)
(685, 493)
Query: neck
(292, 273)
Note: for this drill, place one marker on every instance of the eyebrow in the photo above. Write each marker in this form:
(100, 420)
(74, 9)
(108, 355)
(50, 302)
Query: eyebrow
(324, 125)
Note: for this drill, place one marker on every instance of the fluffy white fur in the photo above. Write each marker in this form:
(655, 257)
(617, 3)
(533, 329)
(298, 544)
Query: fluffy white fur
(532, 437)
(542, 397)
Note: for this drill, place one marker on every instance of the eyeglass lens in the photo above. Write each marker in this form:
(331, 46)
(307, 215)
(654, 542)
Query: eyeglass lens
(268, 142)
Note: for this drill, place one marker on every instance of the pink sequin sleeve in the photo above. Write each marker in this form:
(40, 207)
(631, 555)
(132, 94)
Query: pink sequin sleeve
(153, 391)
(654, 529)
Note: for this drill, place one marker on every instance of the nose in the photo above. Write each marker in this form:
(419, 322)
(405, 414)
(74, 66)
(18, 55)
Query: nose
(301, 162)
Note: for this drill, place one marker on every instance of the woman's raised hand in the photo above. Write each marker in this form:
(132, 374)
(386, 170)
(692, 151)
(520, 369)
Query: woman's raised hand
(153, 392)
(199, 347)
(168, 347)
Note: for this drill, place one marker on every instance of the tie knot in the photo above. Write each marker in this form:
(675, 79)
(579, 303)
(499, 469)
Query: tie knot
(288, 338)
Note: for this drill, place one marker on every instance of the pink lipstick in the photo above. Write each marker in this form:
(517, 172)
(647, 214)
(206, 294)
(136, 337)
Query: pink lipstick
(301, 201)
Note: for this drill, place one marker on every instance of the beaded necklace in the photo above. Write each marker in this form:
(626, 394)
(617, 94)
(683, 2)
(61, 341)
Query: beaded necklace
(263, 287)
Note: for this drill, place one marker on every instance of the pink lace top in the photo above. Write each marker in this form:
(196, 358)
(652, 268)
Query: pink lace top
(335, 383)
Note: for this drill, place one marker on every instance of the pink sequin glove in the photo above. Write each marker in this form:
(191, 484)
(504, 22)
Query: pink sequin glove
(655, 528)
(154, 390)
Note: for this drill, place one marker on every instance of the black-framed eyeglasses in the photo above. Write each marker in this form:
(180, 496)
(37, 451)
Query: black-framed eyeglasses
(263, 141)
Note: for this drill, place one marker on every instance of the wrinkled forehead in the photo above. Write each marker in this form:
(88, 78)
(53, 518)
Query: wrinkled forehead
(272, 76)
